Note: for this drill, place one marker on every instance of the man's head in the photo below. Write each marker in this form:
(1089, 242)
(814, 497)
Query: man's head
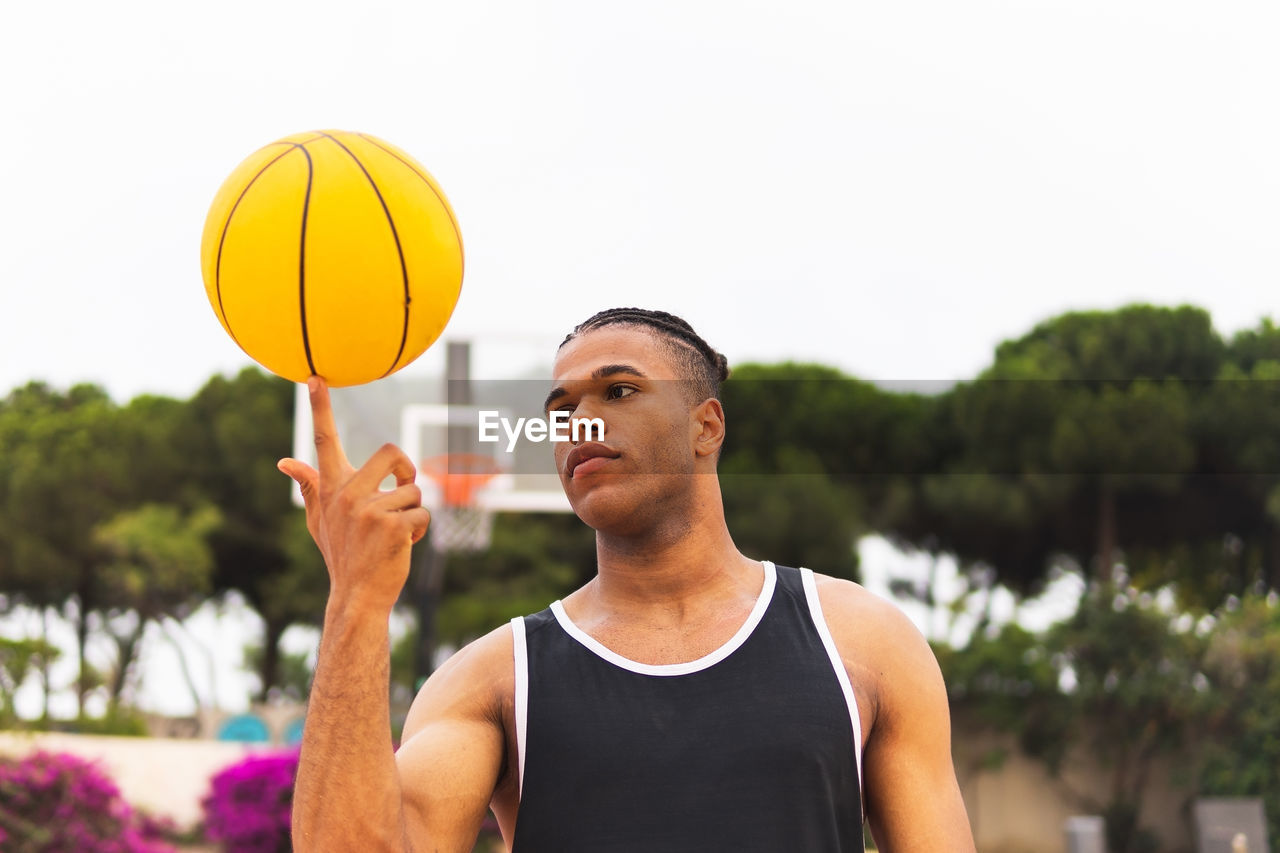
(697, 363)
(653, 383)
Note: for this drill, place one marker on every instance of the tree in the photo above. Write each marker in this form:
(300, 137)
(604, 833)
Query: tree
(1237, 422)
(1121, 682)
(1136, 341)
(801, 517)
(1139, 695)
(66, 471)
(157, 564)
(1240, 751)
(810, 457)
(18, 659)
(1100, 436)
(233, 433)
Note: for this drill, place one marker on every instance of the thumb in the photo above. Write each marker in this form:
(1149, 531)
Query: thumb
(303, 474)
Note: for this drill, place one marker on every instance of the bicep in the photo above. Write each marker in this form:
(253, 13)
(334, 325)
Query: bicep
(451, 758)
(913, 799)
(448, 772)
(909, 784)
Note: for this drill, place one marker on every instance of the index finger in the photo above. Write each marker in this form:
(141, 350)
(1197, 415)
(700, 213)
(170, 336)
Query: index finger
(330, 458)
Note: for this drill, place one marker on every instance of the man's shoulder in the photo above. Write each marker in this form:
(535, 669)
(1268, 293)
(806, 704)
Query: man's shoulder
(477, 680)
(853, 605)
(875, 639)
(487, 658)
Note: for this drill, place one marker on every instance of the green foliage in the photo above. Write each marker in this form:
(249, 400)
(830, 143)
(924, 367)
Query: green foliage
(796, 482)
(532, 560)
(1132, 684)
(51, 442)
(1009, 682)
(1137, 341)
(1135, 437)
(801, 517)
(157, 558)
(1121, 680)
(156, 562)
(118, 721)
(147, 509)
(1139, 692)
(1248, 347)
(860, 433)
(18, 659)
(1132, 436)
(1241, 755)
(233, 432)
(293, 674)
(66, 469)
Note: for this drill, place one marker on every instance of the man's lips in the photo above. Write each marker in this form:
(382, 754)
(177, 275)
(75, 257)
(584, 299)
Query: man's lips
(588, 457)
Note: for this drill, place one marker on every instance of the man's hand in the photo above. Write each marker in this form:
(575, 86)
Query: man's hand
(364, 533)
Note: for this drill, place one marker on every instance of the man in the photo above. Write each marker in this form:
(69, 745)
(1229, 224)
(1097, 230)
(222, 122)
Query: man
(687, 698)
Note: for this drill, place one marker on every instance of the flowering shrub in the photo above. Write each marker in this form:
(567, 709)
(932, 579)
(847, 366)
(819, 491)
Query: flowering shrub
(248, 808)
(56, 802)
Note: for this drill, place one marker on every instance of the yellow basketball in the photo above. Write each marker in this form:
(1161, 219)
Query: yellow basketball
(332, 253)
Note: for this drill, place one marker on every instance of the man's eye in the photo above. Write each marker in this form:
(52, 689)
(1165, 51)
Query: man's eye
(617, 392)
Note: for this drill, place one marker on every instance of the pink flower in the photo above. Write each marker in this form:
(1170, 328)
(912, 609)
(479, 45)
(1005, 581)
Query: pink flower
(249, 805)
(52, 801)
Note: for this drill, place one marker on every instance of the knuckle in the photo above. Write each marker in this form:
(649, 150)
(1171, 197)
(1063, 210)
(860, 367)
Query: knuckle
(393, 454)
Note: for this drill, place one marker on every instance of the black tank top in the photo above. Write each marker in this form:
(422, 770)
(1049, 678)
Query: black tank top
(754, 747)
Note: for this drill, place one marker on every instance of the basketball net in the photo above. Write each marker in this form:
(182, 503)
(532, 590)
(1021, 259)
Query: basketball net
(459, 524)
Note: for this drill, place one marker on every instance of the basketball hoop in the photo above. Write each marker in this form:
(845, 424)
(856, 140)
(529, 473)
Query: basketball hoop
(459, 523)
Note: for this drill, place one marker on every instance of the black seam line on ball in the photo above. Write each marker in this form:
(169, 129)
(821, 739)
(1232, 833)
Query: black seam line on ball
(457, 232)
(302, 263)
(222, 238)
(395, 235)
(289, 142)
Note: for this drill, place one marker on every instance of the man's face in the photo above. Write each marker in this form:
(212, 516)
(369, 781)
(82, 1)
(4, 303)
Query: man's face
(626, 377)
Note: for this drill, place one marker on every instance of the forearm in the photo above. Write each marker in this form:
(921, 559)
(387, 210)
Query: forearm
(347, 795)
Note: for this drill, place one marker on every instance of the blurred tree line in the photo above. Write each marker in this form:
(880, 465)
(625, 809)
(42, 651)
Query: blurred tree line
(117, 517)
(1138, 449)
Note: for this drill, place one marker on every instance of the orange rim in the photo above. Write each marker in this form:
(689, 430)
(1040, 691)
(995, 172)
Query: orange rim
(460, 475)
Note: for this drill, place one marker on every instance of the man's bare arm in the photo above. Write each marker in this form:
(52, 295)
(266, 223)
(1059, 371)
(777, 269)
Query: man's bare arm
(349, 793)
(455, 739)
(913, 801)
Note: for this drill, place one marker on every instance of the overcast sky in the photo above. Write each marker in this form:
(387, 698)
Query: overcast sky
(892, 188)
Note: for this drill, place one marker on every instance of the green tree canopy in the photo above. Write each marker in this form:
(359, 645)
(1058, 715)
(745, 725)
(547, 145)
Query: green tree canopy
(156, 563)
(233, 432)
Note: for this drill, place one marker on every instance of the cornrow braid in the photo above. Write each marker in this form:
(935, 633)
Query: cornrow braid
(706, 367)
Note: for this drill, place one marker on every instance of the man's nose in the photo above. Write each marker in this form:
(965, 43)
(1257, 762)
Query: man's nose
(586, 423)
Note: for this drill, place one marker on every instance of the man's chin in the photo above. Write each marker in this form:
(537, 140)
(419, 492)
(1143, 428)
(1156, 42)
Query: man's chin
(605, 509)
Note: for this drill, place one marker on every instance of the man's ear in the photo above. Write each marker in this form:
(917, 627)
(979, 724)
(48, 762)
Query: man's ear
(707, 423)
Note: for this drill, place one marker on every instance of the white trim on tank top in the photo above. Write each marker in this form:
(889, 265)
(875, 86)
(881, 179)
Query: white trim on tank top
(837, 663)
(666, 669)
(522, 692)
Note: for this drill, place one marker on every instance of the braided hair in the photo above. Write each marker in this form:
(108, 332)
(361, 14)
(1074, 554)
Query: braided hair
(705, 367)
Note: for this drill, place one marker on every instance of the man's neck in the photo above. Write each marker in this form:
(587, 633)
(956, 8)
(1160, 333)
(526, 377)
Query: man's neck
(671, 574)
